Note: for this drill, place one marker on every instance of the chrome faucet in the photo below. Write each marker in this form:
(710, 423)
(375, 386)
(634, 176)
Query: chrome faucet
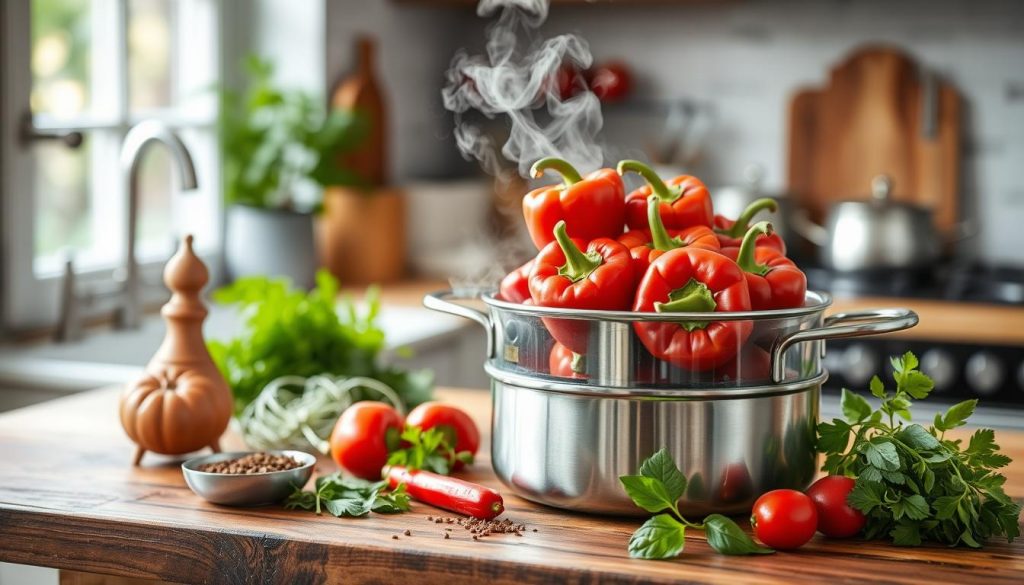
(127, 315)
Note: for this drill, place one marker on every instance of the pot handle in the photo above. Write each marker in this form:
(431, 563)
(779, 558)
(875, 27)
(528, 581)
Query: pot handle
(438, 301)
(851, 324)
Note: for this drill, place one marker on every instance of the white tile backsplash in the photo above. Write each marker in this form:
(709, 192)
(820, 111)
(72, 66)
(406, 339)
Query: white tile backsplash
(747, 58)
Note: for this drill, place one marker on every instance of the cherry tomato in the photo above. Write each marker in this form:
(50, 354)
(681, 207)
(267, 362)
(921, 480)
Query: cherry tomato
(456, 425)
(562, 360)
(784, 519)
(569, 81)
(836, 519)
(364, 436)
(611, 81)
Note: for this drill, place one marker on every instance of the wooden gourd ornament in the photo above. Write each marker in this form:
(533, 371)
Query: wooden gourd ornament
(182, 403)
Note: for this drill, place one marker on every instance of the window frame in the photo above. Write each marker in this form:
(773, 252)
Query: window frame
(29, 300)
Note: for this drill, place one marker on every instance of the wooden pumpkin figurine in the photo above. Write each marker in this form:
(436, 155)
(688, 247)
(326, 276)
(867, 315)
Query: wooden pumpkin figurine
(182, 403)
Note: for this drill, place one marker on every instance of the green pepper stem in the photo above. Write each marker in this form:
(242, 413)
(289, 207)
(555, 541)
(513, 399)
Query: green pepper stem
(660, 240)
(665, 193)
(743, 221)
(694, 297)
(570, 176)
(578, 363)
(745, 258)
(578, 264)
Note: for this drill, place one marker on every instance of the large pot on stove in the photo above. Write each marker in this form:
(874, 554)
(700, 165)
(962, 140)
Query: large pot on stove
(736, 431)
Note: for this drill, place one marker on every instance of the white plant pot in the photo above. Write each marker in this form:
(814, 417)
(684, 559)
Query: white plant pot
(274, 243)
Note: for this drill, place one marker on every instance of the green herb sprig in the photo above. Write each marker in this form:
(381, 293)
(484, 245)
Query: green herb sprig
(292, 332)
(912, 483)
(343, 496)
(658, 488)
(432, 450)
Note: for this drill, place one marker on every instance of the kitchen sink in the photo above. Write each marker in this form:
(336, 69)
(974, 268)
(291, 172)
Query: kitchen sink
(32, 372)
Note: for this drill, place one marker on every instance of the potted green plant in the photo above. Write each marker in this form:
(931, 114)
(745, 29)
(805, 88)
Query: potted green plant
(279, 148)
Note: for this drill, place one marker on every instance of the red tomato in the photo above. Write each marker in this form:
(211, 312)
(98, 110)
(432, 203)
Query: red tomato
(611, 81)
(364, 436)
(784, 519)
(836, 519)
(454, 423)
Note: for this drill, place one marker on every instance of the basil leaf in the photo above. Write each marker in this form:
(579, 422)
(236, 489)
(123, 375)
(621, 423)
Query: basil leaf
(647, 492)
(855, 407)
(662, 467)
(906, 534)
(661, 537)
(729, 539)
(865, 495)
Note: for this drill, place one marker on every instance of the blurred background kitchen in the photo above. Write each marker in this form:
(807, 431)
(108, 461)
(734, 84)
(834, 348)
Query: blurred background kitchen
(316, 136)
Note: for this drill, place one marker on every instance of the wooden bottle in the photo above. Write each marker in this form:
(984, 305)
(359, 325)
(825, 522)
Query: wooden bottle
(361, 92)
(182, 403)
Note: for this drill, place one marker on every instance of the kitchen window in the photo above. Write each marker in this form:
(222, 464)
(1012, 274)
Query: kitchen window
(97, 67)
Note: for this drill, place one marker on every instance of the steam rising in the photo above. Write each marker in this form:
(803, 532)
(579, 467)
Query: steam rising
(515, 79)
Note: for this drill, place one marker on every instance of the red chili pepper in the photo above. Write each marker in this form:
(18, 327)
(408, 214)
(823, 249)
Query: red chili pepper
(515, 287)
(448, 493)
(565, 276)
(684, 200)
(698, 281)
(565, 364)
(730, 233)
(645, 245)
(592, 207)
(774, 281)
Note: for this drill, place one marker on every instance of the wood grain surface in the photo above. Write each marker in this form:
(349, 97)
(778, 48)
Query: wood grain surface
(70, 498)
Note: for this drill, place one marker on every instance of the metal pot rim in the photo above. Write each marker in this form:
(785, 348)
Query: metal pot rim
(815, 302)
(582, 389)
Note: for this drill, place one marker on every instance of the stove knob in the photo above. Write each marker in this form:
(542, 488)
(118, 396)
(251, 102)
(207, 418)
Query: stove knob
(940, 367)
(860, 363)
(985, 373)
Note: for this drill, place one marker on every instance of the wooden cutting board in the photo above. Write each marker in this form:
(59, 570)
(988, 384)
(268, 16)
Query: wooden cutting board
(878, 114)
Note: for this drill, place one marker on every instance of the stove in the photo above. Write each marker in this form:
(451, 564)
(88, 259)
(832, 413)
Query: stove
(992, 371)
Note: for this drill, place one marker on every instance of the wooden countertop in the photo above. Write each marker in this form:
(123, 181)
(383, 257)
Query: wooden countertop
(69, 498)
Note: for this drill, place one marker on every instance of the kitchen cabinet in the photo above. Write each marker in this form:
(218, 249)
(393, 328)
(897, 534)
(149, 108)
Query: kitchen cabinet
(70, 499)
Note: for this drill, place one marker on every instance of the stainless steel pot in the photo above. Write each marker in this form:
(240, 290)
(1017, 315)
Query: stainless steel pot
(876, 234)
(565, 442)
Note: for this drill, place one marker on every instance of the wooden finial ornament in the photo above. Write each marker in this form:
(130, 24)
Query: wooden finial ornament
(182, 403)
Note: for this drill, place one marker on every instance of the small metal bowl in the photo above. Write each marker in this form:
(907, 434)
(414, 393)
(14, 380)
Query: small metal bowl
(250, 489)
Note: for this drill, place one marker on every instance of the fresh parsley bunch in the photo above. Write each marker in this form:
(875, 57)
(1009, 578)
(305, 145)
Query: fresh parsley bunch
(912, 483)
(657, 489)
(349, 496)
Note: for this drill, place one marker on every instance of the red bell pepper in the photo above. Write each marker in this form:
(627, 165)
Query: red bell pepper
(684, 201)
(565, 276)
(565, 364)
(592, 207)
(693, 280)
(645, 245)
(752, 365)
(730, 233)
(773, 280)
(515, 287)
